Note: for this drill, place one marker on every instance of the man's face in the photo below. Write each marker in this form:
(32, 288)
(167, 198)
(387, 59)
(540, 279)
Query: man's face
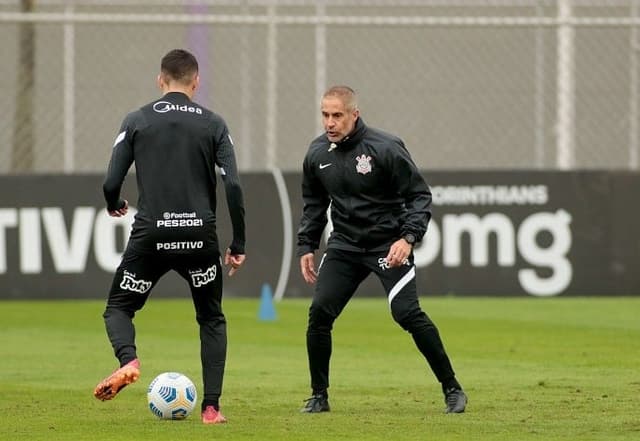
(338, 122)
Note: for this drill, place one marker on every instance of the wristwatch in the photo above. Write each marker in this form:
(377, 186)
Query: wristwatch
(410, 239)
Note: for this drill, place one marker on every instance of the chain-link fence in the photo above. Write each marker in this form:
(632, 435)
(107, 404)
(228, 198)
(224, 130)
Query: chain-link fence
(467, 84)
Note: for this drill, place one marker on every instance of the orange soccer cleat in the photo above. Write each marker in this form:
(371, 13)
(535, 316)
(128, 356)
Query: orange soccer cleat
(108, 388)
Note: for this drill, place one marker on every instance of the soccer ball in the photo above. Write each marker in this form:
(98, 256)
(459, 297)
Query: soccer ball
(172, 396)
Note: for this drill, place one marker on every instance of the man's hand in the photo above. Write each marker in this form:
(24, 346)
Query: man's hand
(307, 266)
(120, 211)
(235, 260)
(398, 253)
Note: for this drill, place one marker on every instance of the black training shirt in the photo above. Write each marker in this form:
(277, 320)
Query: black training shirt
(176, 144)
(376, 192)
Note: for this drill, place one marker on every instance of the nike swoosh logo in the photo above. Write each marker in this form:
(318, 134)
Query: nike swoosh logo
(324, 165)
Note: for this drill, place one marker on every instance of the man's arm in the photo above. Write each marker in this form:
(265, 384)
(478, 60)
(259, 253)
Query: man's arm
(226, 161)
(121, 160)
(314, 211)
(415, 191)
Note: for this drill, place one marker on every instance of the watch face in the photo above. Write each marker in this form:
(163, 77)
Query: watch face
(410, 238)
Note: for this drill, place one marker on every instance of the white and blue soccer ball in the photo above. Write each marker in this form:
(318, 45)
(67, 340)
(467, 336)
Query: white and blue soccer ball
(172, 396)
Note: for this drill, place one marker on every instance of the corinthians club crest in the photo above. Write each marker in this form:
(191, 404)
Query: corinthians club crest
(364, 164)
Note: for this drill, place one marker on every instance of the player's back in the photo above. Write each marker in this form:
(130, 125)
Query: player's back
(174, 156)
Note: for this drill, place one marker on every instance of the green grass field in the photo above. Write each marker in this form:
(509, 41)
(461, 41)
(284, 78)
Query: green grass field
(534, 369)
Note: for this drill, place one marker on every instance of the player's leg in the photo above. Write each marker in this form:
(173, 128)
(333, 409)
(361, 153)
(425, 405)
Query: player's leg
(132, 283)
(204, 275)
(339, 274)
(400, 286)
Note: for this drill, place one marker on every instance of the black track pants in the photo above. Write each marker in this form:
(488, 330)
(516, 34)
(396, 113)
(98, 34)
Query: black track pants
(133, 282)
(340, 273)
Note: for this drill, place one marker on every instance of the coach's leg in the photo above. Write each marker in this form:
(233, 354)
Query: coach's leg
(338, 277)
(204, 274)
(400, 285)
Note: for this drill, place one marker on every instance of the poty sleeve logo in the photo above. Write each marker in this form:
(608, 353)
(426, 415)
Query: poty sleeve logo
(200, 279)
(128, 283)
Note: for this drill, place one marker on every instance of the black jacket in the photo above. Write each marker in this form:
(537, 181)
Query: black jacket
(176, 144)
(376, 192)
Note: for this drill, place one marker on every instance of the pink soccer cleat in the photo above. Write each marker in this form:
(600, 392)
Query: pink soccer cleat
(212, 416)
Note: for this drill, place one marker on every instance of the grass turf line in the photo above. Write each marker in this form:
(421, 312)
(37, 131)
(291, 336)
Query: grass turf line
(534, 369)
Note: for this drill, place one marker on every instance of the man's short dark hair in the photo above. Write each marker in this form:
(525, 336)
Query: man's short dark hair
(179, 65)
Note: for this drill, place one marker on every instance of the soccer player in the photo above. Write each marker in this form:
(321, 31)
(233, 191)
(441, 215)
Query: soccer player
(380, 207)
(175, 144)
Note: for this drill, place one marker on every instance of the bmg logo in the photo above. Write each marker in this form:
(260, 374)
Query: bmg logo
(510, 241)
